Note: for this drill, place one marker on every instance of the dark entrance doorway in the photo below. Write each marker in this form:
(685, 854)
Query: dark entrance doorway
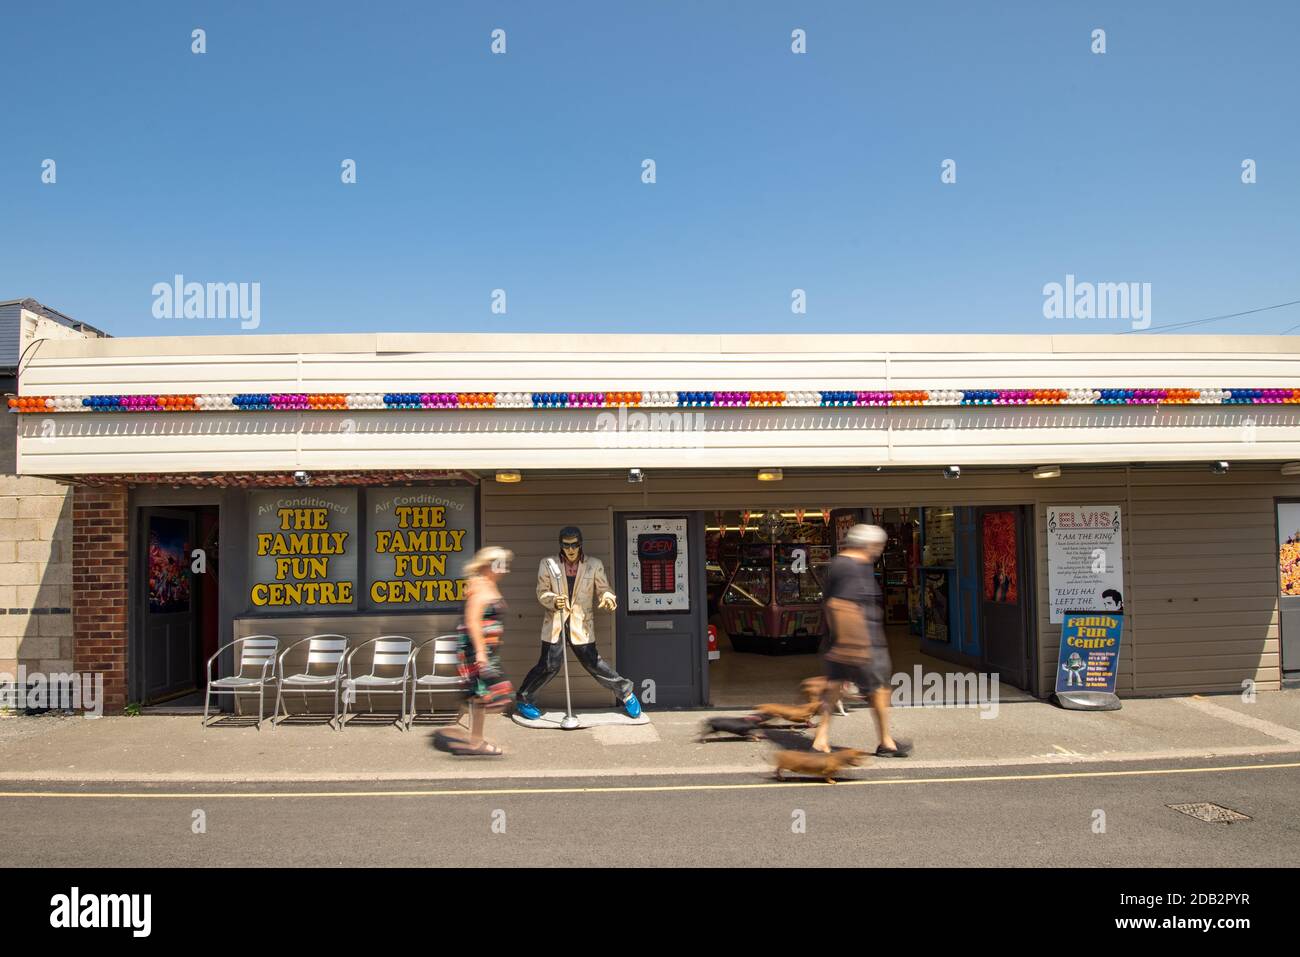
(177, 600)
(1004, 587)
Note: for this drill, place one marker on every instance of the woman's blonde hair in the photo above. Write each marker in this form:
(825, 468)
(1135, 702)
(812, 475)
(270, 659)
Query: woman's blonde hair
(490, 557)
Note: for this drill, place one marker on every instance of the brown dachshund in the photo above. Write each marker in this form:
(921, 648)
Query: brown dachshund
(794, 713)
(815, 763)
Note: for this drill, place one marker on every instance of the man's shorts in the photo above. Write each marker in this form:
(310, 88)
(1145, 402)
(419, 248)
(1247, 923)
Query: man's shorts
(869, 677)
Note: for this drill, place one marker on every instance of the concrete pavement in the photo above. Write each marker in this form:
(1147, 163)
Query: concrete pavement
(161, 749)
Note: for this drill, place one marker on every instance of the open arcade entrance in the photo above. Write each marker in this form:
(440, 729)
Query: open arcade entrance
(953, 582)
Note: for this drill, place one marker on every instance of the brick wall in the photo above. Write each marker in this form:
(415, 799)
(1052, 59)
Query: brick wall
(35, 566)
(100, 595)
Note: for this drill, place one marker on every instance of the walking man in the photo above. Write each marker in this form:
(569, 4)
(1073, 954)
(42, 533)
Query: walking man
(859, 652)
(571, 587)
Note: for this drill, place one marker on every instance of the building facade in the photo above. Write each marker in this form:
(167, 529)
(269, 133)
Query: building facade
(35, 515)
(287, 485)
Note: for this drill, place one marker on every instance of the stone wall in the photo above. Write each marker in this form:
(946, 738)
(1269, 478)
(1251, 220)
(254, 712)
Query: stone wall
(35, 566)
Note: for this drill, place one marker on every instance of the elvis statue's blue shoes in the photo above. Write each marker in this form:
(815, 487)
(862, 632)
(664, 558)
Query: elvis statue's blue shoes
(632, 706)
(529, 711)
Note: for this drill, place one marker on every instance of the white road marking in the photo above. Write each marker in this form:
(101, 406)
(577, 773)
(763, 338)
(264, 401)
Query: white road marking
(1270, 728)
(645, 788)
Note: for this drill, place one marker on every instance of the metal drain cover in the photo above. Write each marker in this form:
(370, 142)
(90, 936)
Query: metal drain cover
(1210, 813)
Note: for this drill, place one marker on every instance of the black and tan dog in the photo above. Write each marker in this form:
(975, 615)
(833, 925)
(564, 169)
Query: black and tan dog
(748, 727)
(815, 763)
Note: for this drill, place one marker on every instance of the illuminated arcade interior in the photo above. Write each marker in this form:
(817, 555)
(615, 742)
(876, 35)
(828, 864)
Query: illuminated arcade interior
(766, 569)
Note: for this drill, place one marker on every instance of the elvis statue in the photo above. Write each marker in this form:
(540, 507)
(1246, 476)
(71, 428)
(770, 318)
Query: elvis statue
(571, 587)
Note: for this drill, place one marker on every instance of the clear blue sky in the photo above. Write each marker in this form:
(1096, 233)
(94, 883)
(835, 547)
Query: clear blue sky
(775, 171)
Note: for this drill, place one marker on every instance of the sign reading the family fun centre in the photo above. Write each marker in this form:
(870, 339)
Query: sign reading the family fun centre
(303, 548)
(1089, 655)
(420, 540)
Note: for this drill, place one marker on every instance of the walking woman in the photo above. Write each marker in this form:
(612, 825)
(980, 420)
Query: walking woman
(480, 636)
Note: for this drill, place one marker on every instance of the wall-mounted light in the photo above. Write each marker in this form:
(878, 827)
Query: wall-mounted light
(1219, 468)
(301, 478)
(952, 472)
(770, 475)
(1291, 469)
(635, 475)
(1047, 472)
(509, 476)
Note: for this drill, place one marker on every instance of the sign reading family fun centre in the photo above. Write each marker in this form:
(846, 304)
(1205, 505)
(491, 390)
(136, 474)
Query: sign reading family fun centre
(420, 540)
(1085, 564)
(1089, 654)
(304, 548)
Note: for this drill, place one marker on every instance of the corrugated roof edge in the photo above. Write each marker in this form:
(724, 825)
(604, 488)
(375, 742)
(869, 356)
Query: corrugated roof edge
(268, 346)
(33, 305)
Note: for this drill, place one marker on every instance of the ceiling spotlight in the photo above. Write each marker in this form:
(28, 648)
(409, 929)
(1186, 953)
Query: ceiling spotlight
(770, 475)
(1219, 468)
(635, 475)
(1047, 472)
(952, 472)
(1291, 469)
(509, 476)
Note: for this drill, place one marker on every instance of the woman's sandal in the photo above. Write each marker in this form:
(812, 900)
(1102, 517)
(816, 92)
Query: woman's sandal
(484, 749)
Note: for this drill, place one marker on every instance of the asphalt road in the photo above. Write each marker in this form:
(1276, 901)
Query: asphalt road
(972, 817)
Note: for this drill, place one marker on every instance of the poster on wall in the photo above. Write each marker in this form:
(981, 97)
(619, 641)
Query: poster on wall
(1000, 558)
(657, 565)
(1085, 564)
(419, 540)
(843, 519)
(1088, 661)
(303, 546)
(940, 537)
(936, 606)
(169, 565)
(1288, 548)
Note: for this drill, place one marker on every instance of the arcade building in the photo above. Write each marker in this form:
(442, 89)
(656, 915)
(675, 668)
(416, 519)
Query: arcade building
(297, 485)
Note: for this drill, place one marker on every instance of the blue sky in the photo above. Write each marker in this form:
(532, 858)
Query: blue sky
(775, 171)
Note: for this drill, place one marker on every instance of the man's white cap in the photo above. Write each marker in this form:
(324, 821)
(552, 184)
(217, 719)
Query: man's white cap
(862, 536)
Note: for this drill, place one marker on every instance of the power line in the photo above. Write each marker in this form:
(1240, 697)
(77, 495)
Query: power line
(1230, 315)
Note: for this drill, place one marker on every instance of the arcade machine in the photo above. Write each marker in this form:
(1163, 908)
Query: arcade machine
(770, 601)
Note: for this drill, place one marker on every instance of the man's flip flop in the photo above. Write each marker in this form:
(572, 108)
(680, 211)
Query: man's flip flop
(901, 749)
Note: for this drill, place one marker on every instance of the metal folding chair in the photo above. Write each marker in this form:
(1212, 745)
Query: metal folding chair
(325, 653)
(392, 655)
(442, 676)
(256, 655)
